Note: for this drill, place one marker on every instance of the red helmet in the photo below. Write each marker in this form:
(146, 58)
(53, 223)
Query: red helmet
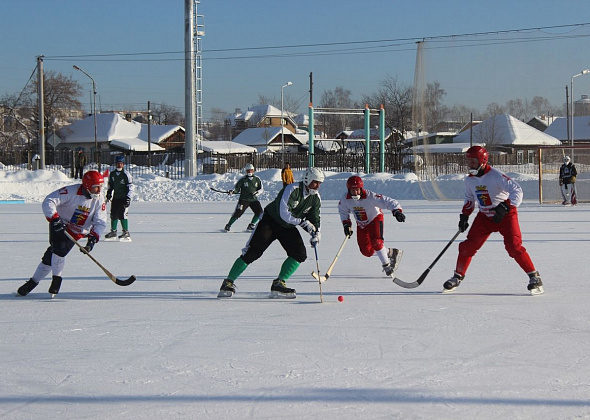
(478, 152)
(354, 182)
(92, 179)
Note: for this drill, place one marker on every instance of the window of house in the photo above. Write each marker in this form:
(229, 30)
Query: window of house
(519, 157)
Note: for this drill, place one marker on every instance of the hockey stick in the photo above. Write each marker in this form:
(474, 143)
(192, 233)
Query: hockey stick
(317, 266)
(219, 191)
(107, 272)
(329, 272)
(420, 280)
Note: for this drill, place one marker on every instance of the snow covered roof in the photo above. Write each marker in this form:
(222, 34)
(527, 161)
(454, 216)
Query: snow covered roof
(225, 147)
(136, 145)
(507, 130)
(111, 127)
(443, 148)
(559, 130)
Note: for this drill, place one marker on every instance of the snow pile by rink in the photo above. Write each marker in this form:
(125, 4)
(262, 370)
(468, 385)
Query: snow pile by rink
(33, 186)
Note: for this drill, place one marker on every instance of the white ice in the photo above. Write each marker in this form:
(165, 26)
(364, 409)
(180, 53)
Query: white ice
(167, 348)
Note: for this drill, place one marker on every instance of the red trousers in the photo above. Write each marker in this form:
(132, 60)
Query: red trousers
(480, 231)
(370, 238)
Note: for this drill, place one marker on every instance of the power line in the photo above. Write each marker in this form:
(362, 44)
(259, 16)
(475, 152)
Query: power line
(398, 42)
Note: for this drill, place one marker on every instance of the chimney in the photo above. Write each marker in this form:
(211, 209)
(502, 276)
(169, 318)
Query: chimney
(128, 117)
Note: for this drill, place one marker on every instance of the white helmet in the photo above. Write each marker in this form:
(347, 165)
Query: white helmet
(566, 160)
(312, 174)
(248, 167)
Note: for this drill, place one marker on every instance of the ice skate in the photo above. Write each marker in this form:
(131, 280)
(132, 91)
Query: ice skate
(251, 226)
(111, 236)
(26, 288)
(395, 257)
(55, 285)
(227, 289)
(535, 286)
(227, 228)
(388, 269)
(452, 283)
(125, 236)
(279, 290)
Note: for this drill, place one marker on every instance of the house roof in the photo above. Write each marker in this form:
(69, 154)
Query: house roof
(507, 130)
(225, 147)
(263, 136)
(115, 129)
(559, 130)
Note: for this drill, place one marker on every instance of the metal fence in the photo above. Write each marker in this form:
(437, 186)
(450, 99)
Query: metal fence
(172, 165)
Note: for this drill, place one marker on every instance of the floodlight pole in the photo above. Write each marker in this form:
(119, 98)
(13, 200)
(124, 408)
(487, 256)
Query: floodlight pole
(283, 134)
(572, 113)
(96, 154)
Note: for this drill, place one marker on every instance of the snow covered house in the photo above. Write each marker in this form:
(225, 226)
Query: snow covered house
(269, 139)
(260, 116)
(114, 132)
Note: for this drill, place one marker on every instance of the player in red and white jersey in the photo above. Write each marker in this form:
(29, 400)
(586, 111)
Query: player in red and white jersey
(497, 197)
(366, 206)
(79, 209)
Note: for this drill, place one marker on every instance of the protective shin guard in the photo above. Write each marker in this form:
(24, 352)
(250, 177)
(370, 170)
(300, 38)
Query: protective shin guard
(41, 272)
(125, 224)
(57, 264)
(114, 223)
(290, 265)
(237, 269)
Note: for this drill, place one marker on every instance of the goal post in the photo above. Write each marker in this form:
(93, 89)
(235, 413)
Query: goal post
(550, 159)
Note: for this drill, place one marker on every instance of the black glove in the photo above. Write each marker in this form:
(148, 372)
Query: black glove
(500, 211)
(399, 216)
(347, 228)
(127, 201)
(58, 225)
(463, 222)
(109, 195)
(90, 244)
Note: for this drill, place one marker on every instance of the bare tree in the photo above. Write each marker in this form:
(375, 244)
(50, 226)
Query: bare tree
(339, 98)
(167, 115)
(60, 95)
(494, 109)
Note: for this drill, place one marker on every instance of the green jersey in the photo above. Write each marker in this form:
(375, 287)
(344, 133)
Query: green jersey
(121, 184)
(294, 204)
(247, 186)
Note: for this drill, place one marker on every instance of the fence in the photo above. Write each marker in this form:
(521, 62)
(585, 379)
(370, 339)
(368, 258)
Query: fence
(171, 165)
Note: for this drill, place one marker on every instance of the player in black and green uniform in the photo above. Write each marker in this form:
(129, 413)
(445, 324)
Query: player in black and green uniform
(121, 191)
(249, 187)
(296, 204)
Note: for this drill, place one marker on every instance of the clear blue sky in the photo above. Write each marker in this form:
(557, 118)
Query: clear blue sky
(495, 68)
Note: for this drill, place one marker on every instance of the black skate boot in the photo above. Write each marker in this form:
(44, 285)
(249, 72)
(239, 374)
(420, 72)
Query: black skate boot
(227, 227)
(55, 285)
(451, 284)
(26, 288)
(388, 269)
(395, 257)
(251, 226)
(535, 284)
(111, 235)
(125, 236)
(279, 290)
(227, 289)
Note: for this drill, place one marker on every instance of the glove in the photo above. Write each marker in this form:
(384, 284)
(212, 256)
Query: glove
(347, 228)
(230, 192)
(399, 216)
(308, 226)
(58, 225)
(257, 193)
(109, 195)
(463, 222)
(92, 240)
(500, 211)
(127, 202)
(315, 238)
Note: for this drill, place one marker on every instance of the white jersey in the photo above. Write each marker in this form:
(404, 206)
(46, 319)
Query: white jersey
(489, 190)
(82, 214)
(366, 208)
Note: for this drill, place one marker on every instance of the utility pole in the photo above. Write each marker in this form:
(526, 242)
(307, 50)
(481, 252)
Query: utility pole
(41, 110)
